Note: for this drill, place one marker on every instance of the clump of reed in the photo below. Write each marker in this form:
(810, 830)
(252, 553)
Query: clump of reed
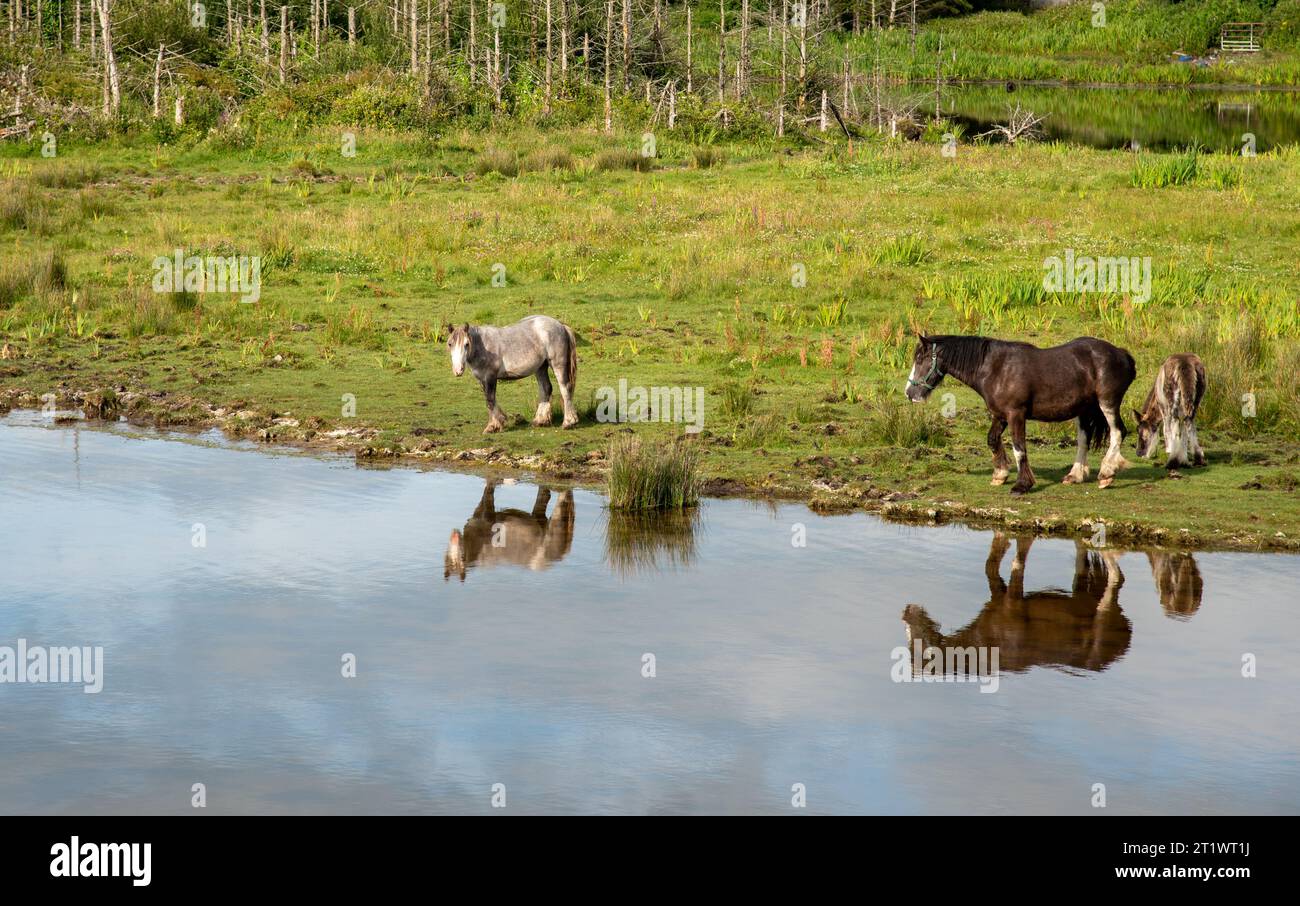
(1157, 171)
(497, 160)
(40, 278)
(652, 475)
(355, 327)
(66, 176)
(546, 160)
(906, 251)
(763, 431)
(896, 422)
(737, 399)
(622, 159)
(705, 157)
(22, 208)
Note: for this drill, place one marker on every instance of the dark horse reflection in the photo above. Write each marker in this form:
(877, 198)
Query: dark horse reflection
(529, 539)
(1082, 629)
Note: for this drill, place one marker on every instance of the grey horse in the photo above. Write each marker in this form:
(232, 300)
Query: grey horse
(510, 353)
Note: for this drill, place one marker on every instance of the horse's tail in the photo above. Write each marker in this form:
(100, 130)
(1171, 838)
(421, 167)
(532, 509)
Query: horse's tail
(1127, 375)
(1184, 399)
(573, 356)
(1095, 426)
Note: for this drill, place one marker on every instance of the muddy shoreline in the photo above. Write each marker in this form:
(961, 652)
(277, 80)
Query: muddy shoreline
(163, 411)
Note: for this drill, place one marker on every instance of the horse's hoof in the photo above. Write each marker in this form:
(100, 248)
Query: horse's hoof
(1017, 491)
(541, 423)
(998, 480)
(569, 423)
(1106, 482)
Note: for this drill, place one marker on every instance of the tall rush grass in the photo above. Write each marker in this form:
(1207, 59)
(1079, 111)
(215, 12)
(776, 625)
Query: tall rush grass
(652, 475)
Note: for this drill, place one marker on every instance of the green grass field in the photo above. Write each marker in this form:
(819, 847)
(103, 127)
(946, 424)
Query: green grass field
(676, 274)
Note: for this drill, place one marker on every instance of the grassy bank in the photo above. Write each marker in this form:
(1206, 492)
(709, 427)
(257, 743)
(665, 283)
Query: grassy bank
(677, 274)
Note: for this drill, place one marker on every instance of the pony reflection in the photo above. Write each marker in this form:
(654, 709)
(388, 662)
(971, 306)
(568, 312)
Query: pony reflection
(529, 539)
(1178, 583)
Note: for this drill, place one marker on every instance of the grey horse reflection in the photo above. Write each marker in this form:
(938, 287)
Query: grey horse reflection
(1082, 629)
(528, 539)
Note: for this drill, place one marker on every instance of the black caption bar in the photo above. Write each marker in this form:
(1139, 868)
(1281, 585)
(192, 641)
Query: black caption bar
(136, 856)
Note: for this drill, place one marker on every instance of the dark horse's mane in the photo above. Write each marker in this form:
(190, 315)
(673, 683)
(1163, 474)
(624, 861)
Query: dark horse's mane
(965, 353)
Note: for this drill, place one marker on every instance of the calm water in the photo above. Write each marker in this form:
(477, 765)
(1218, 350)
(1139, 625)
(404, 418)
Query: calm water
(521, 664)
(1157, 119)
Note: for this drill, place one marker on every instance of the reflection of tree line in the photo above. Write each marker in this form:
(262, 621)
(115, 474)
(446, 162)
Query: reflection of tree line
(634, 542)
(1082, 629)
(1157, 120)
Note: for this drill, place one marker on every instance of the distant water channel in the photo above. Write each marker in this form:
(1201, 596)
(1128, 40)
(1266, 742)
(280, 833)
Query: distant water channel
(1156, 119)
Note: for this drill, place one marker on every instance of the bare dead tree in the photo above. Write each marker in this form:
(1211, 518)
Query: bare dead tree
(627, 44)
(690, 63)
(564, 41)
(414, 9)
(284, 44)
(1021, 125)
(111, 78)
(157, 84)
(722, 51)
(609, 43)
(547, 107)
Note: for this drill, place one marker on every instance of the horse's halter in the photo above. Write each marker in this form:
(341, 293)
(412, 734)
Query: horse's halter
(934, 369)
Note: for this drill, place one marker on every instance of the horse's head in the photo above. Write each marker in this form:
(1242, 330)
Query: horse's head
(1148, 432)
(927, 373)
(458, 346)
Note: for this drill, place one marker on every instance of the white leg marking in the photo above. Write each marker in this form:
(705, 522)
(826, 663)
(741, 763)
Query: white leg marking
(1079, 471)
(1113, 461)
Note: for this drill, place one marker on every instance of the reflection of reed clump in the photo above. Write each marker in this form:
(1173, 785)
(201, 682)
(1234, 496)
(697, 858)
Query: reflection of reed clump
(649, 541)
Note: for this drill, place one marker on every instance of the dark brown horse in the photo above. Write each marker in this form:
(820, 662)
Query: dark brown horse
(1084, 380)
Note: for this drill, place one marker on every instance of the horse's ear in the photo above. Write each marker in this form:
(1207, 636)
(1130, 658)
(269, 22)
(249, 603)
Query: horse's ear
(1138, 416)
(925, 341)
(466, 327)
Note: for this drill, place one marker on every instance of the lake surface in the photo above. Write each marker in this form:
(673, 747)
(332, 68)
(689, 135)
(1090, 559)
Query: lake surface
(1157, 119)
(522, 663)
